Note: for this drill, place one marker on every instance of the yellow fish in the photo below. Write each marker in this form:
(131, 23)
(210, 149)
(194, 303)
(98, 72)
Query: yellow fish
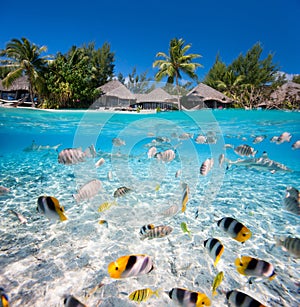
(142, 295)
(157, 187)
(106, 206)
(130, 266)
(49, 206)
(186, 297)
(4, 302)
(184, 228)
(104, 223)
(217, 281)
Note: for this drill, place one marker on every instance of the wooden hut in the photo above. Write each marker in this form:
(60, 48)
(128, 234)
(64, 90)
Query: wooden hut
(158, 98)
(114, 94)
(204, 96)
(18, 90)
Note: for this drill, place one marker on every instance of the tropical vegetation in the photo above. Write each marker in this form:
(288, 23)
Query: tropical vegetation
(174, 63)
(73, 79)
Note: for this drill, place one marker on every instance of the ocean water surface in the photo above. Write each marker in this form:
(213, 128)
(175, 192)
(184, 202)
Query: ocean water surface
(43, 261)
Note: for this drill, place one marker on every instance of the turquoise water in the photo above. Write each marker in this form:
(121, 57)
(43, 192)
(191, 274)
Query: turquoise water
(42, 261)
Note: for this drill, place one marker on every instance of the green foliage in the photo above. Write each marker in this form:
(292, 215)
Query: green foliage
(21, 57)
(248, 80)
(139, 84)
(296, 79)
(176, 61)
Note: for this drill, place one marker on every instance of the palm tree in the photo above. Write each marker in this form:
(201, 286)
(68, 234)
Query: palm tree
(23, 58)
(175, 62)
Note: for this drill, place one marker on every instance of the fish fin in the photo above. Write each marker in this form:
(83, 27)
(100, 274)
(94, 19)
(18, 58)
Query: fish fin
(214, 292)
(62, 217)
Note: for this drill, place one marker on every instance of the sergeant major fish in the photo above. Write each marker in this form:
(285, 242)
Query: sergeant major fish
(284, 137)
(88, 190)
(157, 232)
(50, 207)
(292, 245)
(146, 228)
(142, 295)
(245, 150)
(130, 266)
(122, 191)
(206, 166)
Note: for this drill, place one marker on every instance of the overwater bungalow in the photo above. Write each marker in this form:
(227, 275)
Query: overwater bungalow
(204, 96)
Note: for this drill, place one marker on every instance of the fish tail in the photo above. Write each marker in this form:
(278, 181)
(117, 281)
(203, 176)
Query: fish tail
(62, 217)
(214, 292)
(157, 292)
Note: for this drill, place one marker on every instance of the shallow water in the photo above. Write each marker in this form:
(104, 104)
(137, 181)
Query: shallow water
(42, 261)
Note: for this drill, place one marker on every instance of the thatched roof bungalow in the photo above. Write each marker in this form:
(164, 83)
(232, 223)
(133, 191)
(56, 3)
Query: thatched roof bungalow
(158, 98)
(286, 95)
(114, 94)
(204, 96)
(17, 90)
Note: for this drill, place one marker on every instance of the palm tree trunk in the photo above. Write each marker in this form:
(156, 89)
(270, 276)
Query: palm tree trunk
(178, 96)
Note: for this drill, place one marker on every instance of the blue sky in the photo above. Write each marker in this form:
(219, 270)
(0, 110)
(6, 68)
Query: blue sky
(137, 30)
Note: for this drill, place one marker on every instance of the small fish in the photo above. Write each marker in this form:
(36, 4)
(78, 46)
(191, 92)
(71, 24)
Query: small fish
(152, 152)
(178, 173)
(88, 190)
(172, 210)
(50, 207)
(245, 150)
(228, 146)
(292, 192)
(200, 139)
(292, 245)
(234, 229)
(130, 266)
(104, 223)
(118, 142)
(185, 196)
(221, 159)
(122, 191)
(206, 166)
(146, 228)
(284, 137)
(250, 266)
(259, 139)
(292, 200)
(109, 175)
(166, 156)
(4, 302)
(90, 152)
(274, 139)
(157, 187)
(185, 136)
(106, 205)
(20, 217)
(70, 156)
(35, 147)
(99, 162)
(215, 249)
(157, 232)
(71, 301)
(185, 229)
(296, 145)
(217, 281)
(188, 298)
(240, 299)
(142, 295)
(4, 190)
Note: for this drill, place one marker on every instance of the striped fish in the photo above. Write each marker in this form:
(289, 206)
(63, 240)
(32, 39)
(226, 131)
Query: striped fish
(122, 191)
(206, 166)
(188, 298)
(88, 190)
(146, 228)
(172, 210)
(290, 244)
(70, 156)
(240, 299)
(130, 266)
(214, 248)
(71, 301)
(292, 200)
(142, 295)
(245, 150)
(250, 266)
(185, 196)
(157, 232)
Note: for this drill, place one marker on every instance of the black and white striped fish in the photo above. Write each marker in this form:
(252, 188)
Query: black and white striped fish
(245, 150)
(215, 249)
(188, 298)
(71, 301)
(122, 191)
(157, 232)
(240, 299)
(292, 245)
(146, 228)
